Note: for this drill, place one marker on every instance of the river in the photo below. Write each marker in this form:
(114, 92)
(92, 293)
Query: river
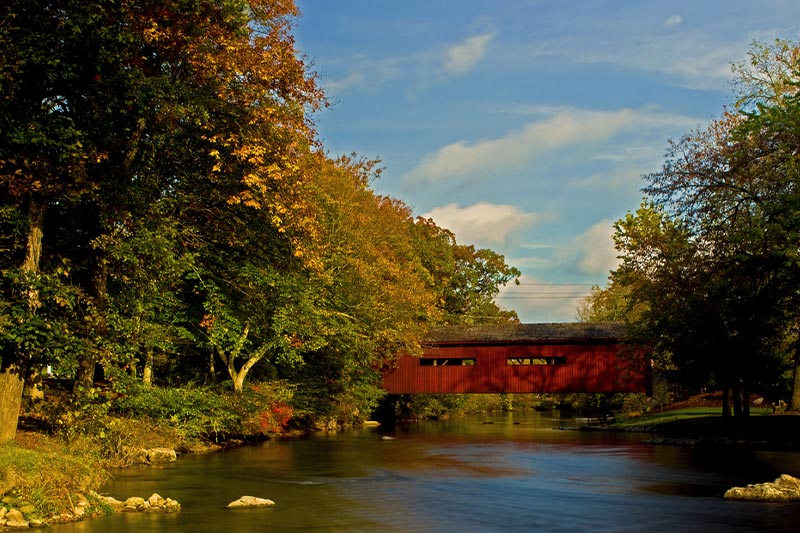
(508, 472)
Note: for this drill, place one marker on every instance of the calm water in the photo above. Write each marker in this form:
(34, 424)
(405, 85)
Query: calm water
(508, 472)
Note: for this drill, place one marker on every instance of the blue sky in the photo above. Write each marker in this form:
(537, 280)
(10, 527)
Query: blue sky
(525, 126)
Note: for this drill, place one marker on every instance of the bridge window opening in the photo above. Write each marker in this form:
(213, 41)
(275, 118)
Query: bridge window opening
(459, 361)
(528, 361)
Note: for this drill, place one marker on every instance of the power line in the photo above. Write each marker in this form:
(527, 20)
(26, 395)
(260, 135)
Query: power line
(540, 297)
(556, 284)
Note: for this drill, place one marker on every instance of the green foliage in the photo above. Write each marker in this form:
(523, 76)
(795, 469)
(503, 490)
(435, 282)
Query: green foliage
(465, 279)
(82, 414)
(163, 157)
(207, 414)
(430, 406)
(709, 271)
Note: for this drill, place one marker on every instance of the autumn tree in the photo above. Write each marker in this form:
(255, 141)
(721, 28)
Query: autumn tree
(112, 108)
(373, 294)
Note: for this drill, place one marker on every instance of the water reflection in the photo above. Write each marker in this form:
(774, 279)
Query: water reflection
(509, 472)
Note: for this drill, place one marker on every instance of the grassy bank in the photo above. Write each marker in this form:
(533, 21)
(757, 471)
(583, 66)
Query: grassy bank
(43, 477)
(706, 426)
(67, 444)
(674, 415)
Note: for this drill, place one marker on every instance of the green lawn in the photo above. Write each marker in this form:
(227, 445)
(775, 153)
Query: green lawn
(651, 419)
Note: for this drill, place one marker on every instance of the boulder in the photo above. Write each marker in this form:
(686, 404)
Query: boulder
(246, 502)
(15, 519)
(134, 503)
(112, 502)
(171, 506)
(161, 455)
(157, 504)
(784, 489)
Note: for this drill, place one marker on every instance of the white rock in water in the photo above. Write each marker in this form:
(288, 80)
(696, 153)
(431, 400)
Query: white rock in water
(250, 501)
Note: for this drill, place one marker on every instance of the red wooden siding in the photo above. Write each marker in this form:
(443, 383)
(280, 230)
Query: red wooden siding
(601, 365)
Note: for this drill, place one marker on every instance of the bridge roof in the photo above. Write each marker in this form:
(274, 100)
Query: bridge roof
(551, 332)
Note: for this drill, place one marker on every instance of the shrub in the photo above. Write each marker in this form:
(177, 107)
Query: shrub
(204, 413)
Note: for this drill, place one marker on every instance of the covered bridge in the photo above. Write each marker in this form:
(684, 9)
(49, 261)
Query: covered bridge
(523, 358)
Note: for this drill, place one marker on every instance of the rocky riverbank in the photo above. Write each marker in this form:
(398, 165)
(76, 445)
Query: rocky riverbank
(91, 504)
(784, 489)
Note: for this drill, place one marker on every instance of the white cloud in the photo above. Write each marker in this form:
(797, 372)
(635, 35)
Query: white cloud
(353, 79)
(695, 59)
(460, 58)
(566, 128)
(483, 222)
(595, 247)
(592, 252)
(673, 21)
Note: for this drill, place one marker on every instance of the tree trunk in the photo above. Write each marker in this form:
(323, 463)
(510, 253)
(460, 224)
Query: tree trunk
(12, 382)
(147, 373)
(794, 401)
(726, 403)
(737, 400)
(745, 399)
(12, 376)
(212, 373)
(84, 378)
(33, 248)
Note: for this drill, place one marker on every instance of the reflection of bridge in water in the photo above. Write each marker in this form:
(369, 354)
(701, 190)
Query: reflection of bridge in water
(524, 358)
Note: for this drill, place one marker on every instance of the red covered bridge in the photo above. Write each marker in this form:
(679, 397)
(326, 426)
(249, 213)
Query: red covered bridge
(523, 358)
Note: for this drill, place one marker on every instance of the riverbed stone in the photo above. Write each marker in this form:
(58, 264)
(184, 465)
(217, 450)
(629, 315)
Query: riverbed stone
(246, 502)
(112, 502)
(784, 489)
(134, 503)
(161, 455)
(15, 519)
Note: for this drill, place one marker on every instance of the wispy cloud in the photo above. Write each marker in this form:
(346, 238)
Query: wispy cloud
(353, 79)
(567, 127)
(674, 20)
(493, 224)
(460, 58)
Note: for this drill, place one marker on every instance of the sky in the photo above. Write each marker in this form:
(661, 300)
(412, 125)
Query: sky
(526, 126)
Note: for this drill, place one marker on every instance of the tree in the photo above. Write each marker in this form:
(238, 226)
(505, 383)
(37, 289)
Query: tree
(723, 295)
(466, 279)
(374, 298)
(111, 108)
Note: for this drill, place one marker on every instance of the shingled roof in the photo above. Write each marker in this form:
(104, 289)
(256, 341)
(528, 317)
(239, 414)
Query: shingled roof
(564, 331)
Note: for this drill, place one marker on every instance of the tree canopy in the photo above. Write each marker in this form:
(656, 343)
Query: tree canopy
(709, 264)
(169, 215)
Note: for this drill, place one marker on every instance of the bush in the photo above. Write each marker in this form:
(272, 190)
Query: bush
(204, 413)
(82, 414)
